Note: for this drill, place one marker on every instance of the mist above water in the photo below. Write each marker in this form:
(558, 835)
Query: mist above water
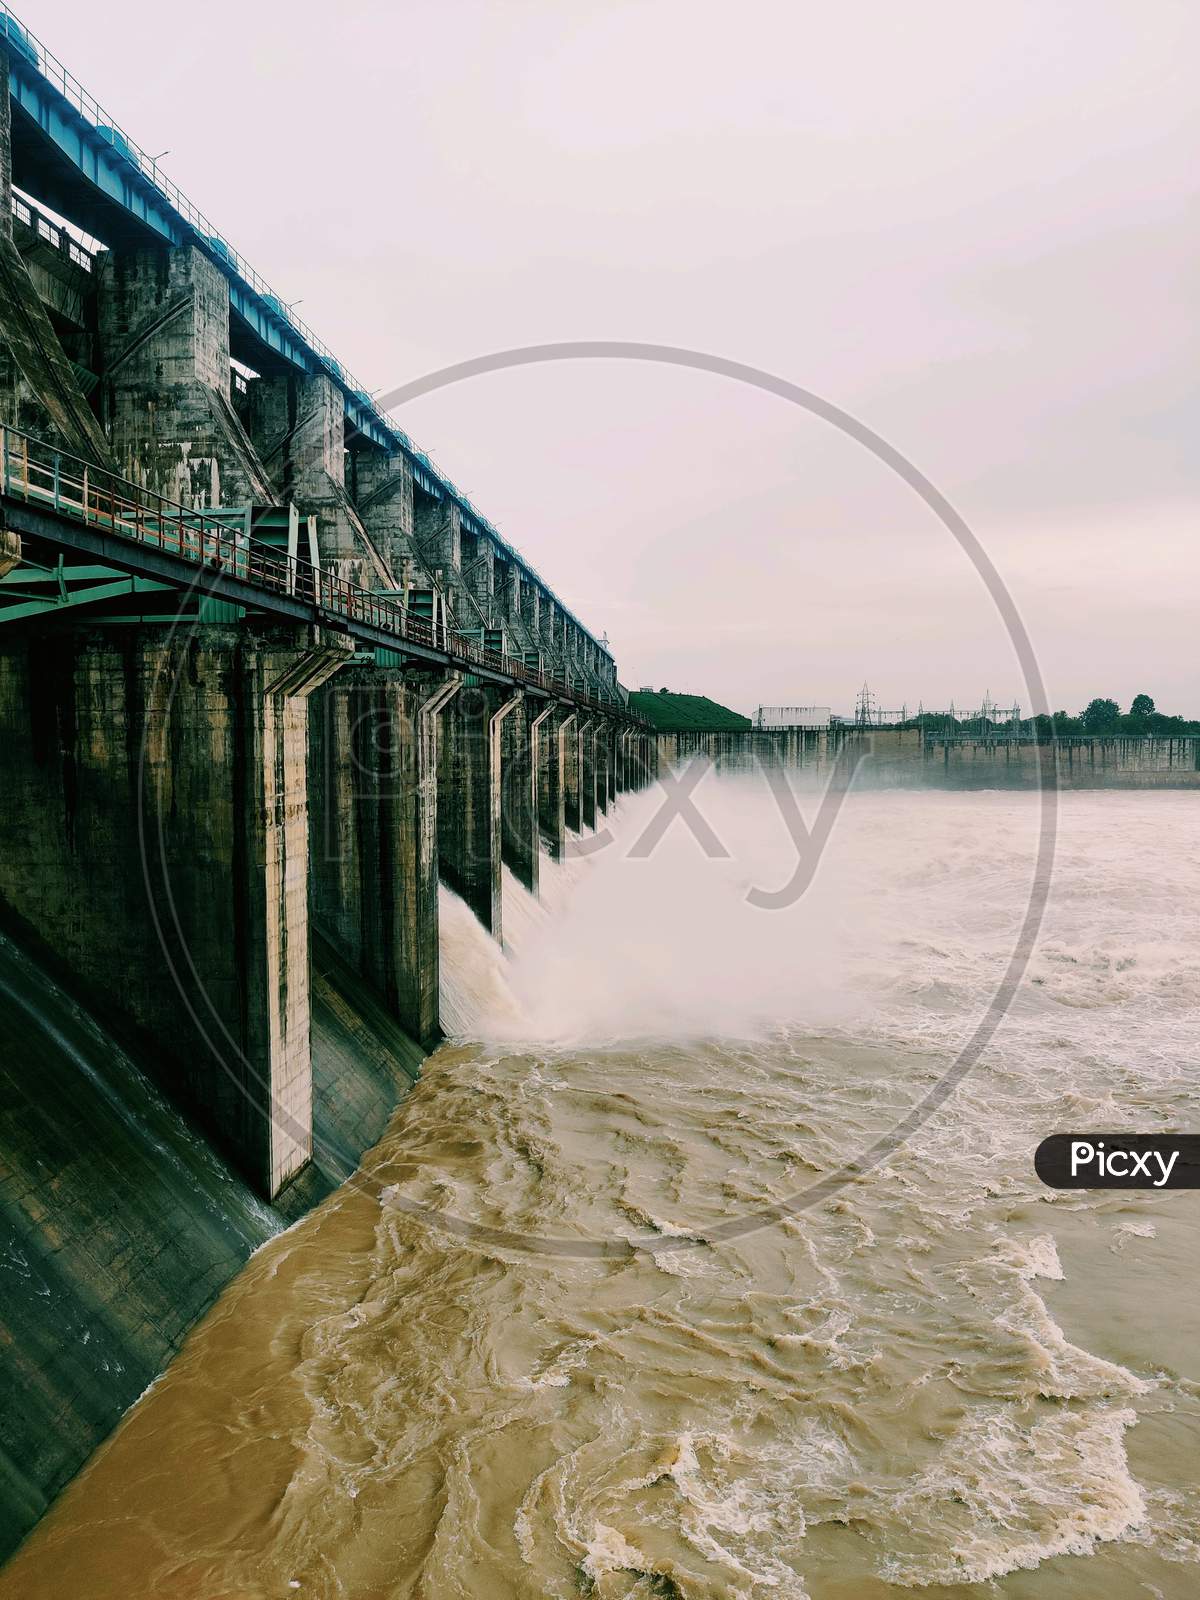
(670, 945)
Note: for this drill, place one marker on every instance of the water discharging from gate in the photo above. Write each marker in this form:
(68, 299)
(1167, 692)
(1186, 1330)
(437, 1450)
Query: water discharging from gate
(916, 1385)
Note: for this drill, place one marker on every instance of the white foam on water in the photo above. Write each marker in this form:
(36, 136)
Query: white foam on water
(1002, 1496)
(1134, 1229)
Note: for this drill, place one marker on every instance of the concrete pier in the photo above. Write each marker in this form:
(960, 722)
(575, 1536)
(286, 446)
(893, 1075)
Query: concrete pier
(546, 750)
(163, 320)
(547, 790)
(469, 810)
(381, 487)
(520, 844)
(374, 856)
(587, 773)
(298, 426)
(603, 767)
(155, 842)
(569, 770)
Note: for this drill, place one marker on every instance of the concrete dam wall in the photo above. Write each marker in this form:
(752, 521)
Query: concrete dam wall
(267, 679)
(911, 759)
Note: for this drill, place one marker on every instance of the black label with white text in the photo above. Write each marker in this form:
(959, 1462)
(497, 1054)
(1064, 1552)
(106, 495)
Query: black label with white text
(1119, 1161)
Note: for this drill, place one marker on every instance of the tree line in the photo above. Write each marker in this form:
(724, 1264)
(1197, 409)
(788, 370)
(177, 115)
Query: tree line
(1101, 718)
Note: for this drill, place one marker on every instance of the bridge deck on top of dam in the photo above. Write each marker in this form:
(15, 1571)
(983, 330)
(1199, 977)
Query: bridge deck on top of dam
(71, 505)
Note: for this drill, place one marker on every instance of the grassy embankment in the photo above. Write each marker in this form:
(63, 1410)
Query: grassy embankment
(686, 713)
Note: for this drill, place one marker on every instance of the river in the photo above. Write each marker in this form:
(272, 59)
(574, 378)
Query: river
(505, 1360)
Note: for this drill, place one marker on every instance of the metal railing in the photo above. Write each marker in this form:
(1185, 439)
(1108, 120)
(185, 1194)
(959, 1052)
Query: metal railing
(27, 47)
(34, 219)
(37, 473)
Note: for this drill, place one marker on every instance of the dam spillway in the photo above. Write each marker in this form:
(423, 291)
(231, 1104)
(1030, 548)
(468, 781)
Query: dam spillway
(267, 678)
(281, 708)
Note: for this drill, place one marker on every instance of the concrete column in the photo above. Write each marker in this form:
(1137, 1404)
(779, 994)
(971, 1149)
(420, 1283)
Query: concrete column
(154, 839)
(383, 497)
(437, 542)
(298, 425)
(568, 769)
(603, 766)
(651, 758)
(163, 318)
(552, 637)
(373, 781)
(437, 532)
(478, 570)
(587, 773)
(576, 645)
(547, 779)
(510, 581)
(520, 845)
(531, 613)
(636, 766)
(468, 813)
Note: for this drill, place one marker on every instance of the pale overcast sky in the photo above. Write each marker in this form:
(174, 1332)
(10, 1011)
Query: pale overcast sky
(972, 226)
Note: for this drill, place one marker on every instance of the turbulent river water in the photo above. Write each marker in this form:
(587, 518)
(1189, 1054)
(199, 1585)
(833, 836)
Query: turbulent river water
(945, 1379)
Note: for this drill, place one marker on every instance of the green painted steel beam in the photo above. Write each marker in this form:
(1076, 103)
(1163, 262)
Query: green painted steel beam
(79, 597)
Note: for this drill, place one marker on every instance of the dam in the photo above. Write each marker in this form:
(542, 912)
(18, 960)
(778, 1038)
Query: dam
(913, 758)
(310, 942)
(267, 678)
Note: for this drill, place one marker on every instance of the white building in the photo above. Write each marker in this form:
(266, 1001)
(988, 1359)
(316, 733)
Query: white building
(808, 717)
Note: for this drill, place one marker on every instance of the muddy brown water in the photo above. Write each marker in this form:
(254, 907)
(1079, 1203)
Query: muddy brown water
(948, 1380)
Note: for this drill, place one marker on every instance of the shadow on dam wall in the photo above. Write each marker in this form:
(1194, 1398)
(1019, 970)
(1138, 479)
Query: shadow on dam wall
(120, 1225)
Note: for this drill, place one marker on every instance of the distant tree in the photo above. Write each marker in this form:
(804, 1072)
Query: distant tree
(1101, 716)
(1171, 727)
(1065, 723)
(1142, 706)
(933, 722)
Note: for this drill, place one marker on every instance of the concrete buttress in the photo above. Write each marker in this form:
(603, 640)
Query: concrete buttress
(298, 425)
(547, 780)
(568, 769)
(469, 787)
(163, 317)
(587, 773)
(154, 843)
(374, 852)
(519, 841)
